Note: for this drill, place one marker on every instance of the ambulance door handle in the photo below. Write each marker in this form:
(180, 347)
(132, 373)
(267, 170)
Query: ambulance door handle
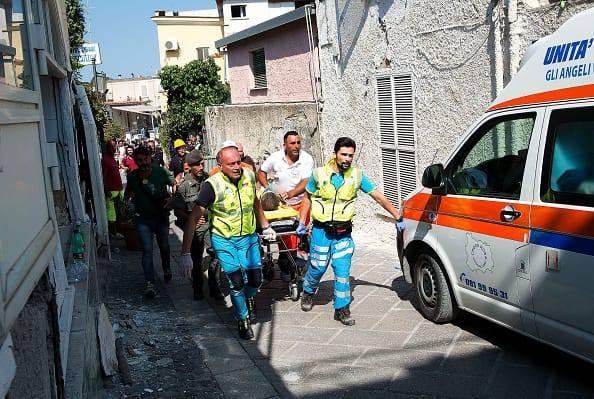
(509, 214)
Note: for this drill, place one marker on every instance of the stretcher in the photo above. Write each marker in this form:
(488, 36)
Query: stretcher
(284, 221)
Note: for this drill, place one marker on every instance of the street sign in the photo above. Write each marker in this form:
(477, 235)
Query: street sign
(85, 54)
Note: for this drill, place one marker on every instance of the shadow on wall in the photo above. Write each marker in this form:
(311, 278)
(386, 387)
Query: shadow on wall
(350, 16)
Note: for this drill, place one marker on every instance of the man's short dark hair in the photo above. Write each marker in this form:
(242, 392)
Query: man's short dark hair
(289, 133)
(344, 142)
(141, 151)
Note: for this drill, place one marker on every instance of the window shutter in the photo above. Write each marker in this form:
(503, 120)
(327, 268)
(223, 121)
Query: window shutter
(397, 136)
(259, 68)
(385, 109)
(405, 133)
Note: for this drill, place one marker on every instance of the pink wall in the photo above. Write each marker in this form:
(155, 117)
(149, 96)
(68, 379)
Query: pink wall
(287, 66)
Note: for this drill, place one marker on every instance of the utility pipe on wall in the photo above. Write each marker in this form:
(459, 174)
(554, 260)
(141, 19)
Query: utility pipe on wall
(514, 31)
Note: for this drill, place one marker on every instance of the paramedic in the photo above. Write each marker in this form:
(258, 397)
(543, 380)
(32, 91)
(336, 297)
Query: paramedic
(233, 207)
(330, 193)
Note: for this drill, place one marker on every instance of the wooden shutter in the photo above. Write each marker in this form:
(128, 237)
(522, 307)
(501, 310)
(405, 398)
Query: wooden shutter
(397, 136)
(259, 68)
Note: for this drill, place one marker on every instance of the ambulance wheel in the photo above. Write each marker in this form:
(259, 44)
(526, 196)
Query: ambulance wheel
(432, 293)
(294, 288)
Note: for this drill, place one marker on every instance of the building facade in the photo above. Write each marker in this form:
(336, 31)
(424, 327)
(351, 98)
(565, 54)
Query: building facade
(406, 79)
(184, 36)
(274, 61)
(239, 15)
(40, 156)
(135, 104)
(144, 89)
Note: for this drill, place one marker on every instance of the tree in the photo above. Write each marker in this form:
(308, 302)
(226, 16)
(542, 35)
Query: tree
(113, 131)
(75, 17)
(189, 89)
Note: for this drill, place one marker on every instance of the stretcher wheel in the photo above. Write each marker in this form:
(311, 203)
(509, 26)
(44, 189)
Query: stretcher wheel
(294, 289)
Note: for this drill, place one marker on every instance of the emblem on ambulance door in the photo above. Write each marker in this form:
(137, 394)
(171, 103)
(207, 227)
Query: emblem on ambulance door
(478, 255)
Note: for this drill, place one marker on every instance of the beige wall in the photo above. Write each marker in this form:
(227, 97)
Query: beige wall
(190, 32)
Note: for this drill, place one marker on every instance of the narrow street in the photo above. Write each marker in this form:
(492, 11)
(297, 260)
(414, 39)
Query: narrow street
(179, 348)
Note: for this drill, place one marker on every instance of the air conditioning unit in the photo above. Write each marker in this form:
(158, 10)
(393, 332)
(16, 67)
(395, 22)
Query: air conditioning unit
(171, 45)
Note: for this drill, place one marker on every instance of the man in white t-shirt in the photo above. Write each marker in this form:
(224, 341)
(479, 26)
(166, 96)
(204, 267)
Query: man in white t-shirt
(288, 171)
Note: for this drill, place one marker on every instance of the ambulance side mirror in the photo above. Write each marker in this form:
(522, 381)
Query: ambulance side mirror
(434, 177)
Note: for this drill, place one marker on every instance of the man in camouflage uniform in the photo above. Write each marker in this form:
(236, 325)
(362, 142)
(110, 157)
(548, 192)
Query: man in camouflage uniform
(188, 192)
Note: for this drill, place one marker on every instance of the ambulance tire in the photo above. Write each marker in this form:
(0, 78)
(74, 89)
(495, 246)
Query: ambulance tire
(432, 292)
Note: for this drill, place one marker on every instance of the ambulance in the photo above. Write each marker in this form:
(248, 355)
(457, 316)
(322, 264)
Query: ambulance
(504, 228)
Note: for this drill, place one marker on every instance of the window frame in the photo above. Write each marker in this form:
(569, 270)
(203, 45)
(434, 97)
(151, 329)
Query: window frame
(10, 90)
(200, 53)
(544, 178)
(241, 7)
(478, 132)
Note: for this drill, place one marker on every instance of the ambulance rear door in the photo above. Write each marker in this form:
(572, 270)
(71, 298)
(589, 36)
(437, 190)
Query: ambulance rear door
(562, 230)
(484, 217)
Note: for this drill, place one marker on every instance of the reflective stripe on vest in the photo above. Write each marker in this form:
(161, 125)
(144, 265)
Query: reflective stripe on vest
(328, 204)
(232, 212)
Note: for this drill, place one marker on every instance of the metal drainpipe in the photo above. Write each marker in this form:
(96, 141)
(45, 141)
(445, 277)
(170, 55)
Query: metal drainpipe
(313, 74)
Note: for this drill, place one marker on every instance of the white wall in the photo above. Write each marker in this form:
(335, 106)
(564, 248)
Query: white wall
(257, 11)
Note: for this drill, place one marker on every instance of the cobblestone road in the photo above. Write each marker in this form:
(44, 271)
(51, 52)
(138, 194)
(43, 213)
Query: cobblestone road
(391, 352)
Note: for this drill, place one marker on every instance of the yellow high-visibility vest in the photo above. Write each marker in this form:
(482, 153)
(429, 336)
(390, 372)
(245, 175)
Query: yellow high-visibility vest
(329, 204)
(232, 212)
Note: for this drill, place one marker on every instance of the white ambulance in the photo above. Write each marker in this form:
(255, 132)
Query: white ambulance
(505, 227)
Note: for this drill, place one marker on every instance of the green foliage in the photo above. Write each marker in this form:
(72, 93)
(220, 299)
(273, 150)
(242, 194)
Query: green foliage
(75, 16)
(189, 89)
(113, 131)
(99, 112)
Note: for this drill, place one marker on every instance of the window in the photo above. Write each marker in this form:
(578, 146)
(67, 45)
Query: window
(303, 3)
(492, 162)
(15, 66)
(259, 68)
(238, 11)
(397, 136)
(568, 165)
(202, 53)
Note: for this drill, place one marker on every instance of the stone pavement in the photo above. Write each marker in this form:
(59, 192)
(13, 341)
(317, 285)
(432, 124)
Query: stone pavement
(391, 352)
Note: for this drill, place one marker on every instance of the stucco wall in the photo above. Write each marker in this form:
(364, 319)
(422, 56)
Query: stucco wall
(261, 127)
(33, 348)
(190, 33)
(287, 66)
(460, 54)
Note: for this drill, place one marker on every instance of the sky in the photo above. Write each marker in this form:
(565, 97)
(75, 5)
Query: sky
(127, 36)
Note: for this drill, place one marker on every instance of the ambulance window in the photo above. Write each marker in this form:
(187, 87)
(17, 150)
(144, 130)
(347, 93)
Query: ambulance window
(492, 162)
(568, 165)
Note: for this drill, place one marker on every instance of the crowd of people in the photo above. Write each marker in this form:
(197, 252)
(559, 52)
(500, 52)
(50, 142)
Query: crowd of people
(221, 215)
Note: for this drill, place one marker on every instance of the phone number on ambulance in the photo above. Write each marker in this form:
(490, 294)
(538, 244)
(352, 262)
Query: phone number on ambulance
(482, 287)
